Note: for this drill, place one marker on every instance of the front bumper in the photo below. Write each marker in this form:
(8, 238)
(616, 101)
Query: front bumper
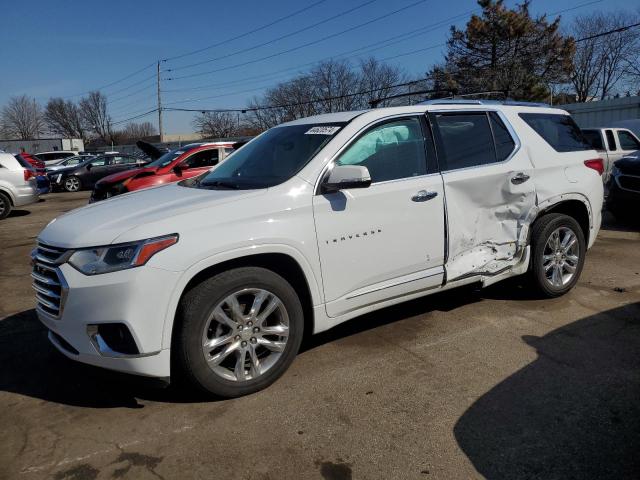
(136, 298)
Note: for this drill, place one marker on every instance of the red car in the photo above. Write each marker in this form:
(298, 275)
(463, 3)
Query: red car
(33, 161)
(185, 162)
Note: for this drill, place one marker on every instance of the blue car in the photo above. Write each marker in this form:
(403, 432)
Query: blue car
(43, 184)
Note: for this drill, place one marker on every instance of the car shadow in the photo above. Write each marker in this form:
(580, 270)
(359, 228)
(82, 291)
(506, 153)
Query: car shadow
(18, 213)
(442, 302)
(32, 367)
(609, 222)
(574, 412)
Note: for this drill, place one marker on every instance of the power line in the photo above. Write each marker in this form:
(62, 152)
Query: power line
(392, 57)
(609, 32)
(297, 104)
(242, 35)
(135, 117)
(298, 47)
(407, 35)
(112, 83)
(282, 37)
(366, 48)
(116, 100)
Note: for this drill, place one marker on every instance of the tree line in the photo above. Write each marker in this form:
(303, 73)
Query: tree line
(502, 52)
(23, 118)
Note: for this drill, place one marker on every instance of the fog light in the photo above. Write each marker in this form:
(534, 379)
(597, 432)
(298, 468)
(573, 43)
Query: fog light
(112, 339)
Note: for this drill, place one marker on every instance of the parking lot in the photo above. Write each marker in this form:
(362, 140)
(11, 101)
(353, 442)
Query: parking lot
(462, 384)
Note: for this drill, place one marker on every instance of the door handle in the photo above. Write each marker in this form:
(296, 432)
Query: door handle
(519, 178)
(423, 196)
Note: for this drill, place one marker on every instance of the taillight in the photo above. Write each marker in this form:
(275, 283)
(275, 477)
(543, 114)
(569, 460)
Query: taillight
(596, 163)
(29, 174)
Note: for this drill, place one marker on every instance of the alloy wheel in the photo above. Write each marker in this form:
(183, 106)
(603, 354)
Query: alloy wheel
(245, 334)
(561, 257)
(72, 184)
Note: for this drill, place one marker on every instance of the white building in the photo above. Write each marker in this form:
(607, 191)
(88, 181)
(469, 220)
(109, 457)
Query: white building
(35, 145)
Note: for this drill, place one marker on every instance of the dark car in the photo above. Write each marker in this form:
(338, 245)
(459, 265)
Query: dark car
(87, 173)
(624, 188)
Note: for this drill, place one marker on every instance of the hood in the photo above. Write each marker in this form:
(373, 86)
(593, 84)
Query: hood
(152, 151)
(629, 164)
(122, 176)
(153, 211)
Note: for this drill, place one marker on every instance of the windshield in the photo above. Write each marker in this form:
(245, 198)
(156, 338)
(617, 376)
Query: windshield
(167, 158)
(272, 158)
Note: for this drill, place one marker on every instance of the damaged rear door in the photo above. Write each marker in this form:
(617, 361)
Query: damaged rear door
(489, 193)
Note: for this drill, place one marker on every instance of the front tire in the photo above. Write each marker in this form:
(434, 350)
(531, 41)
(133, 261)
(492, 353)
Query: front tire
(237, 332)
(5, 206)
(558, 252)
(72, 184)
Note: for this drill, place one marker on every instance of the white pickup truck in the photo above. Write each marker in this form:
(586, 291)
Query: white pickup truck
(612, 144)
(216, 278)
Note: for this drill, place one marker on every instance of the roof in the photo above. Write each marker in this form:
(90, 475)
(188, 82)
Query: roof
(335, 117)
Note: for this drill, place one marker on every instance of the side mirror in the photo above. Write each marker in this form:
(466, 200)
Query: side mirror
(346, 176)
(177, 170)
(89, 166)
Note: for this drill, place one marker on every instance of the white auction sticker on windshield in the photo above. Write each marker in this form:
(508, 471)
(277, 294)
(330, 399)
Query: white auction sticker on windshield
(322, 131)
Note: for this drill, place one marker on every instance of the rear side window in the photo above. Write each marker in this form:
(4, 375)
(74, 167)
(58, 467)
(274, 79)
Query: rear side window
(23, 163)
(627, 141)
(611, 141)
(594, 138)
(501, 136)
(466, 139)
(558, 130)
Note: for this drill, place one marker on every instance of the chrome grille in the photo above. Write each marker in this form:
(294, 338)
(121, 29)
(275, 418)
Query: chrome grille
(48, 281)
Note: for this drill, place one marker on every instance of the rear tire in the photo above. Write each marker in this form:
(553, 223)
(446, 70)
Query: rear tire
(222, 343)
(5, 205)
(72, 184)
(558, 252)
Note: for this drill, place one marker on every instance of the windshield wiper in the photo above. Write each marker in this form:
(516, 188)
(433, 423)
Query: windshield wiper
(220, 183)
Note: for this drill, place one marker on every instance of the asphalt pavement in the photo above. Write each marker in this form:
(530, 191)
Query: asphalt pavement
(465, 384)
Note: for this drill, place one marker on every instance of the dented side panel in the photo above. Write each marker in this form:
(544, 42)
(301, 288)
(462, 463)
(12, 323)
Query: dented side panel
(488, 216)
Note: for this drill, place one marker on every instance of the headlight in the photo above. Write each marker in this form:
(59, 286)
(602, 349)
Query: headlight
(111, 258)
(615, 171)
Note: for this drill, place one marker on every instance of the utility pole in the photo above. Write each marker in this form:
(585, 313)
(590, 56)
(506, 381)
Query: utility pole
(159, 107)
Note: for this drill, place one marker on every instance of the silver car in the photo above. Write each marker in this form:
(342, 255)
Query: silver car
(18, 185)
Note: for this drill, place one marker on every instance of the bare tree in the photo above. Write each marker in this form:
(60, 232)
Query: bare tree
(137, 131)
(378, 79)
(63, 118)
(22, 118)
(619, 50)
(331, 86)
(334, 85)
(216, 124)
(93, 110)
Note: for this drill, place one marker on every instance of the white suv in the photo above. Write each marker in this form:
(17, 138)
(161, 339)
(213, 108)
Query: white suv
(216, 278)
(18, 186)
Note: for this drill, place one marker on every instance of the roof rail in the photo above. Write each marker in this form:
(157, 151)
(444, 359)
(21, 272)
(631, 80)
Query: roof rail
(451, 101)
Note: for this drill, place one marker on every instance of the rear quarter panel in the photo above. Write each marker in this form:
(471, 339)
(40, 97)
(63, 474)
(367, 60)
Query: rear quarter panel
(561, 176)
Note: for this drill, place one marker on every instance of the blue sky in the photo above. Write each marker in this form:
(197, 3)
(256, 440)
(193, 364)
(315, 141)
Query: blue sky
(66, 48)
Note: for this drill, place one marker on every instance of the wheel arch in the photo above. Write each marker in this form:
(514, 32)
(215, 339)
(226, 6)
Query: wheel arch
(297, 272)
(575, 206)
(8, 193)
